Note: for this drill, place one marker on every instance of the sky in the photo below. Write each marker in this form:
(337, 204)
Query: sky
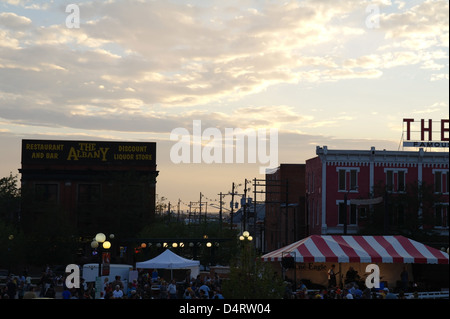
(340, 73)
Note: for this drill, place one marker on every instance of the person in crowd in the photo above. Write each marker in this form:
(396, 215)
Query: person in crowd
(30, 294)
(172, 290)
(404, 277)
(351, 276)
(117, 293)
(390, 294)
(332, 276)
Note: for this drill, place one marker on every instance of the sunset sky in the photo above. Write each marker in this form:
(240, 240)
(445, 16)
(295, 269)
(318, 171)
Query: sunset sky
(323, 72)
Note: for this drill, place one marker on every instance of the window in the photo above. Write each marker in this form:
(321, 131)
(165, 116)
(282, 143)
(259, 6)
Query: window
(401, 181)
(397, 216)
(342, 212)
(396, 180)
(352, 218)
(89, 193)
(441, 216)
(440, 181)
(390, 180)
(362, 212)
(347, 179)
(132, 194)
(353, 214)
(353, 179)
(342, 180)
(46, 193)
(318, 212)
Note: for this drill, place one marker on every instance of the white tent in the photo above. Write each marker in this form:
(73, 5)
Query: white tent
(170, 260)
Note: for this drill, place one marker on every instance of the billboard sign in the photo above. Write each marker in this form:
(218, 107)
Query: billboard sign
(88, 152)
(428, 133)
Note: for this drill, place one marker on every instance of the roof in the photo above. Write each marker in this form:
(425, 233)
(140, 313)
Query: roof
(363, 249)
(168, 260)
(260, 213)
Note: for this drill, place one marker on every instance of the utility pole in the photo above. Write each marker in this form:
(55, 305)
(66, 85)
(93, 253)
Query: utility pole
(271, 187)
(220, 211)
(178, 210)
(168, 212)
(287, 214)
(190, 212)
(200, 210)
(244, 219)
(254, 206)
(232, 207)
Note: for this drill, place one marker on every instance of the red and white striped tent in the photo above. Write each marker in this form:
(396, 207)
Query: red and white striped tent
(361, 249)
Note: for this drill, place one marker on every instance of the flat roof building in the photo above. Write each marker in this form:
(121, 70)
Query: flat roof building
(97, 185)
(343, 186)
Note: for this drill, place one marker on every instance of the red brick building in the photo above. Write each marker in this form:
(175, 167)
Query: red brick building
(336, 175)
(285, 224)
(97, 186)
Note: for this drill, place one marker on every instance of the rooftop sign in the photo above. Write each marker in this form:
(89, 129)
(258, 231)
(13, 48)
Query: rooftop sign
(88, 152)
(428, 133)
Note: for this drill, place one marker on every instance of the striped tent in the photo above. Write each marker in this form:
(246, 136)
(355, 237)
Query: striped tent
(361, 249)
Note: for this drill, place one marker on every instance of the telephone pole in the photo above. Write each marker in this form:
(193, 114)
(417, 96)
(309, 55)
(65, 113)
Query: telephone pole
(200, 209)
(232, 207)
(220, 210)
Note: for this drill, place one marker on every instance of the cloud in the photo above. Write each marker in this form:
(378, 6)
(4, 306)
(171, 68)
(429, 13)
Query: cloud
(13, 21)
(132, 63)
(423, 26)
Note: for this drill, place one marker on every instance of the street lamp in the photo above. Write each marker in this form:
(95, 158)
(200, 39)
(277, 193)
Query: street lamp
(100, 238)
(246, 253)
(245, 236)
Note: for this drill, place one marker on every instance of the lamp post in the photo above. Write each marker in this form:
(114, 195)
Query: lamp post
(246, 255)
(101, 244)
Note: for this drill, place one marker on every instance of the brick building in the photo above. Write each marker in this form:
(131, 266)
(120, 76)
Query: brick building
(97, 186)
(285, 224)
(342, 187)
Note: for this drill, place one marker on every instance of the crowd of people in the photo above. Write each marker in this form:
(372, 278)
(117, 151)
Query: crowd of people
(149, 286)
(350, 289)
(21, 286)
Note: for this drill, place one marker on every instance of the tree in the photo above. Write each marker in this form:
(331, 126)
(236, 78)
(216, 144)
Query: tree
(11, 238)
(12, 244)
(252, 278)
(160, 205)
(169, 228)
(409, 213)
(9, 199)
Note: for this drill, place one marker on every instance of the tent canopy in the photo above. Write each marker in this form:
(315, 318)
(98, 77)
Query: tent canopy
(168, 260)
(361, 249)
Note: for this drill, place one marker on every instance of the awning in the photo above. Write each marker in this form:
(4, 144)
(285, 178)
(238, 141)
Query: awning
(168, 260)
(361, 249)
